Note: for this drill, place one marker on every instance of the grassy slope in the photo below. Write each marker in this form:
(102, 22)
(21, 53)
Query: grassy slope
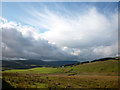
(109, 67)
(27, 64)
(46, 77)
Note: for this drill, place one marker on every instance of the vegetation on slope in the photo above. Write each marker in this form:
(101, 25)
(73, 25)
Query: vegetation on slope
(19, 80)
(109, 67)
(102, 74)
(27, 64)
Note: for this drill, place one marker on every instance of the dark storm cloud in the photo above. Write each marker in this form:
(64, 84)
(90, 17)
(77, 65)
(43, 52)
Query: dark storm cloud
(14, 44)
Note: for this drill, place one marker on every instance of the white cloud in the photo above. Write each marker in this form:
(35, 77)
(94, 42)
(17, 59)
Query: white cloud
(106, 51)
(83, 36)
(72, 51)
(79, 31)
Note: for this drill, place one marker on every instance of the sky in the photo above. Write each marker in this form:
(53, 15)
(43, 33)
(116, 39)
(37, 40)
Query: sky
(59, 30)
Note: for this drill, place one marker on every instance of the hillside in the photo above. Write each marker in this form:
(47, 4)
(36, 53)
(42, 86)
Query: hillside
(98, 74)
(26, 64)
(23, 64)
(107, 67)
(104, 67)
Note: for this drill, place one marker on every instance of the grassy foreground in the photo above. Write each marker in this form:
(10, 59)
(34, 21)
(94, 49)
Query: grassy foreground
(103, 74)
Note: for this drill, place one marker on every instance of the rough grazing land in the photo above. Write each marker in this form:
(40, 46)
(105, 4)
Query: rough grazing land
(102, 74)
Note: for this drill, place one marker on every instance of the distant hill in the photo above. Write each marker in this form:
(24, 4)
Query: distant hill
(60, 63)
(108, 67)
(22, 64)
(25, 64)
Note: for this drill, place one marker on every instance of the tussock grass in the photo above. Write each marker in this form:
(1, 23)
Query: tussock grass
(103, 74)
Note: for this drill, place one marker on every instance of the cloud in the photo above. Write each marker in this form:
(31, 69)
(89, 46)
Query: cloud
(91, 29)
(85, 28)
(17, 43)
(82, 36)
(106, 50)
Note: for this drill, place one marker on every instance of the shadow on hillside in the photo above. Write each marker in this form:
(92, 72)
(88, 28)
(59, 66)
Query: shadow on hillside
(6, 85)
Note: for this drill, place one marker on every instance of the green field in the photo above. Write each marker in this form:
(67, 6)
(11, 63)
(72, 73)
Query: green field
(102, 74)
(104, 67)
